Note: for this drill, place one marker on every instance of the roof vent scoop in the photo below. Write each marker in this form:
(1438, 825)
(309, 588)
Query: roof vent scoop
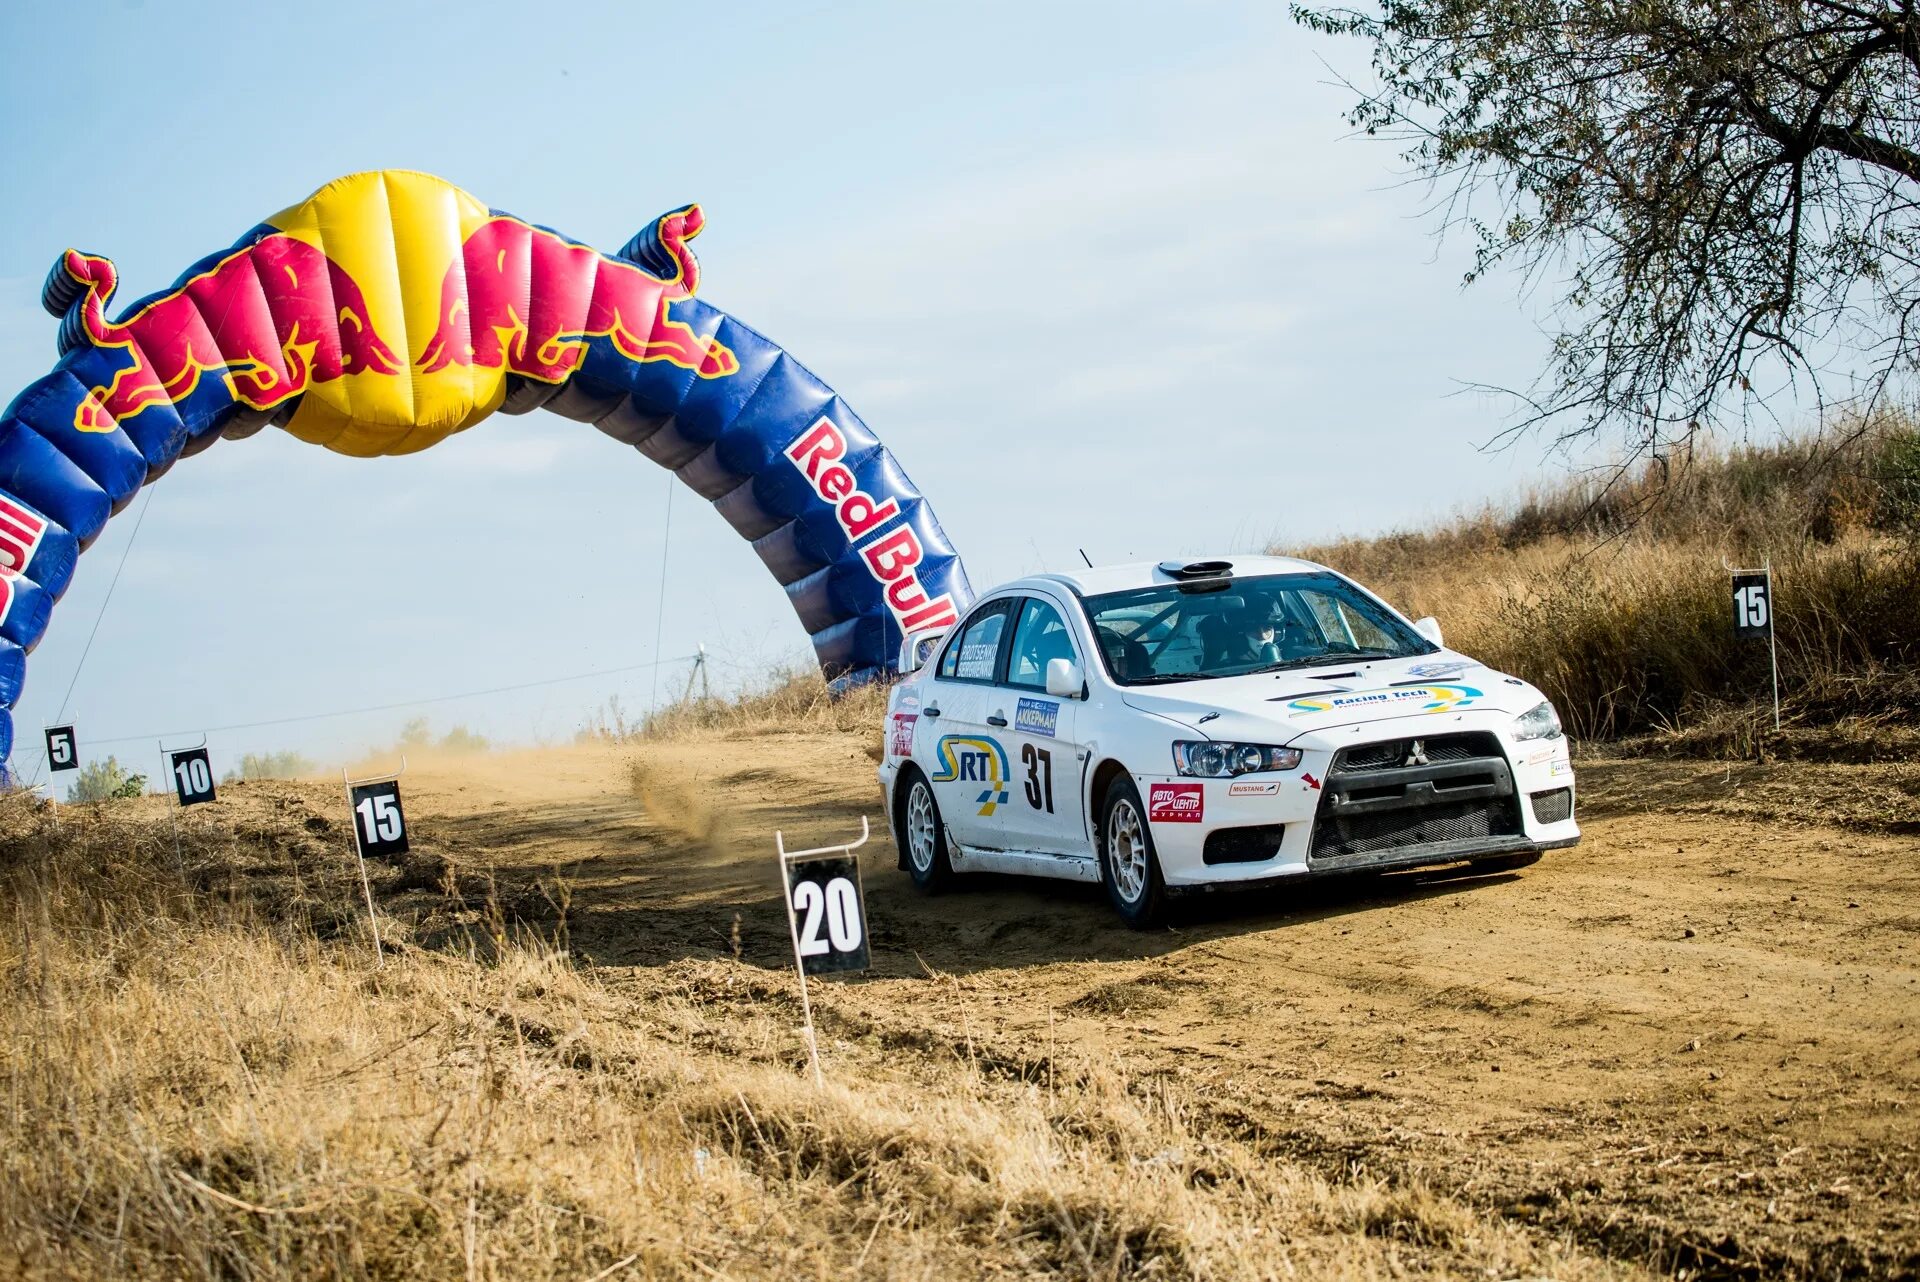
(1196, 569)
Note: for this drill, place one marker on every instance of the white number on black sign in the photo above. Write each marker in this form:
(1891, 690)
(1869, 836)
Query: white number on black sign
(1752, 604)
(838, 906)
(60, 750)
(192, 776)
(378, 824)
(829, 917)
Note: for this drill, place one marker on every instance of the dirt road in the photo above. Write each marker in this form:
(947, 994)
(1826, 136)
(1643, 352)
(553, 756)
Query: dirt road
(1691, 1042)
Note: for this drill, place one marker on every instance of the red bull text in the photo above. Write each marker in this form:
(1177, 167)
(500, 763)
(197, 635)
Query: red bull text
(889, 559)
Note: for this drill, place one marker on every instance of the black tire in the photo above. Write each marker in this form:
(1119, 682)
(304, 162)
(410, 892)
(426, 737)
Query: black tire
(1507, 863)
(928, 864)
(1146, 905)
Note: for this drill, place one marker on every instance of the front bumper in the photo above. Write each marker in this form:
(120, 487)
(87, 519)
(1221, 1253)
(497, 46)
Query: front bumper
(1365, 803)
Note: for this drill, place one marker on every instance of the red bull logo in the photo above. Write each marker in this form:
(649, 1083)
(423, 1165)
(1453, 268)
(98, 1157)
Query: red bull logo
(531, 301)
(271, 319)
(20, 534)
(890, 559)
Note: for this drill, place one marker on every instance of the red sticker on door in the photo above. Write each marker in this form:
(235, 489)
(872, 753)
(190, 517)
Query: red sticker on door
(1176, 803)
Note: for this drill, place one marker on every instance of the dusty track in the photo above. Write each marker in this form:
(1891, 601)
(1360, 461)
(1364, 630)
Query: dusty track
(1693, 1041)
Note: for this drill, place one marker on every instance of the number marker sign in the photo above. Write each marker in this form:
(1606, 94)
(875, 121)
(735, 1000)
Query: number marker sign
(830, 919)
(378, 825)
(1753, 603)
(61, 751)
(378, 829)
(192, 776)
(1753, 618)
(827, 917)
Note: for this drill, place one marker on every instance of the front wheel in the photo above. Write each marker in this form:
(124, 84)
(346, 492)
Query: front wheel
(924, 837)
(1129, 865)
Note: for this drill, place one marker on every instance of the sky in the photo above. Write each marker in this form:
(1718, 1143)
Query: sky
(1106, 276)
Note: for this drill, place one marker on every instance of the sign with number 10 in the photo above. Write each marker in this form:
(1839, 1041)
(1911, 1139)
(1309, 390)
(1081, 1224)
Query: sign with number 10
(192, 776)
(378, 824)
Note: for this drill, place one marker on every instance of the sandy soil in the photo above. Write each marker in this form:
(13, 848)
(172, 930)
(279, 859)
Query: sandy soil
(1693, 1042)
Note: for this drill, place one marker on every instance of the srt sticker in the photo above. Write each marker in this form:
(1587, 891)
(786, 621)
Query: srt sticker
(1036, 716)
(901, 743)
(967, 759)
(1176, 803)
(1422, 698)
(1437, 671)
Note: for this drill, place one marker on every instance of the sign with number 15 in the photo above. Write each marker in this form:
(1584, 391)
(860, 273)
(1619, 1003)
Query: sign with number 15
(378, 824)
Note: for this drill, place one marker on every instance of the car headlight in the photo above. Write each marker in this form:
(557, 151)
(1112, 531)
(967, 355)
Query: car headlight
(1540, 722)
(1206, 759)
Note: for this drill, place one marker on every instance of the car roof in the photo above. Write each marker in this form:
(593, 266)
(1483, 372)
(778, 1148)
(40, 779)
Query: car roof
(1146, 574)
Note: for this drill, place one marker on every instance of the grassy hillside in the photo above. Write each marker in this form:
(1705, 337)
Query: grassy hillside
(1611, 593)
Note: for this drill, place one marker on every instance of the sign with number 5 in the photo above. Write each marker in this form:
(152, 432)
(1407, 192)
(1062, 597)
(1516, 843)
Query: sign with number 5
(379, 826)
(61, 754)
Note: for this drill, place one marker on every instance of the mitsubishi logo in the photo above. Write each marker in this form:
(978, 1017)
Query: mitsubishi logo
(1416, 753)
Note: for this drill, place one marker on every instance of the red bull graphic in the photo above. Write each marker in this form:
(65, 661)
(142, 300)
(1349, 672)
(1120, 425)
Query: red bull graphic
(391, 309)
(20, 534)
(890, 560)
(527, 299)
(271, 319)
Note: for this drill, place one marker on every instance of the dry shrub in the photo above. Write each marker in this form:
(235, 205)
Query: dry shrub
(1616, 601)
(200, 1087)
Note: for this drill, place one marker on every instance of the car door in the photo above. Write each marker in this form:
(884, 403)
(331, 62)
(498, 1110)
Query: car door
(966, 759)
(1039, 731)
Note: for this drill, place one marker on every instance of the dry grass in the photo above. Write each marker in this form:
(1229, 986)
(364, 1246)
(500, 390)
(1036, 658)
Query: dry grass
(202, 1086)
(788, 701)
(1615, 599)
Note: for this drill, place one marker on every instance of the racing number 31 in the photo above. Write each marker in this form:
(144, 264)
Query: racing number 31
(1039, 764)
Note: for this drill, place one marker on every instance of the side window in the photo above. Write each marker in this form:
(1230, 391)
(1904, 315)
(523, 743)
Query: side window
(1040, 637)
(972, 654)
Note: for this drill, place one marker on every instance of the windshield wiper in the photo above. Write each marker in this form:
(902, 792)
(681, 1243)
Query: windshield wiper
(1161, 678)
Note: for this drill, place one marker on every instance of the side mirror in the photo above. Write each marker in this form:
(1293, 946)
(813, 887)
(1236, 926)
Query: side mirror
(1429, 628)
(1064, 680)
(917, 647)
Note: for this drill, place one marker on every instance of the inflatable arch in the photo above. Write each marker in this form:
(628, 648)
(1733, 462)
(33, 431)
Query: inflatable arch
(391, 309)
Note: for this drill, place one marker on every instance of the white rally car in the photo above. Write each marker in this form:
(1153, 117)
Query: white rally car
(1185, 726)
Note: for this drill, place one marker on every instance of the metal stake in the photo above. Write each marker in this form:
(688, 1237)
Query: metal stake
(1773, 645)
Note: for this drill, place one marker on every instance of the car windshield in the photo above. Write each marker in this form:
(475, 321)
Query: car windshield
(1231, 627)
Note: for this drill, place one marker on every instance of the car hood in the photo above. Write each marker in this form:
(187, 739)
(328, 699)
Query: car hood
(1276, 707)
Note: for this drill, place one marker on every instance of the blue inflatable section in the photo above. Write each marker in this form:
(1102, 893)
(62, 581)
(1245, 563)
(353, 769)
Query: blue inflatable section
(785, 461)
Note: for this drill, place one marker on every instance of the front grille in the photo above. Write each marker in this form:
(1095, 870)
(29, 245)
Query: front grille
(1391, 754)
(1415, 792)
(1552, 807)
(1366, 834)
(1249, 845)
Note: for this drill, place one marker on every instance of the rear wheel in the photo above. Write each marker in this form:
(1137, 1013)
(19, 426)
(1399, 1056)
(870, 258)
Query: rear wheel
(924, 837)
(1129, 865)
